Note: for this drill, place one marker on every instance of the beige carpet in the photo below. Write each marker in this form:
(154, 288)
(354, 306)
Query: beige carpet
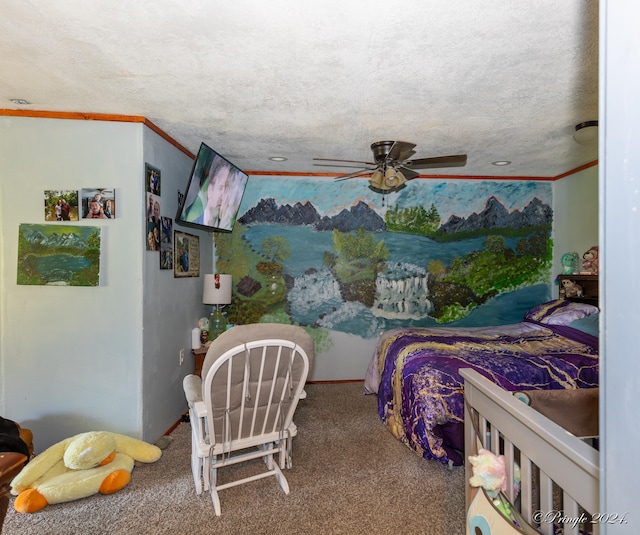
(349, 476)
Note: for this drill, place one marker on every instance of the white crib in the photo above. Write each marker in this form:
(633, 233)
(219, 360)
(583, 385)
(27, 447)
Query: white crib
(559, 472)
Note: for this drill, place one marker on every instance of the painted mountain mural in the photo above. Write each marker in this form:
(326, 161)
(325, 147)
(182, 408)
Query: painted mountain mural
(362, 269)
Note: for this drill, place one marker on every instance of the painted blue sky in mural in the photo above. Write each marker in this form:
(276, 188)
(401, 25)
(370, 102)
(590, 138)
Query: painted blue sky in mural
(453, 197)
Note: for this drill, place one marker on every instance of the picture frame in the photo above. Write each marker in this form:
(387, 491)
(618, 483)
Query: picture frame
(61, 205)
(152, 241)
(51, 254)
(106, 198)
(166, 243)
(186, 255)
(152, 177)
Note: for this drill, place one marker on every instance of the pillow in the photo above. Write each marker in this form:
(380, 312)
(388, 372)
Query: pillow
(560, 312)
(588, 324)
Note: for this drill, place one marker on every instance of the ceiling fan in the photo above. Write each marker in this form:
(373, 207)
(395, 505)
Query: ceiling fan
(392, 167)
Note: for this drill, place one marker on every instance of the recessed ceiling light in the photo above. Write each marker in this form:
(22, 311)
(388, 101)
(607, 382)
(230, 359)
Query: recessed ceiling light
(20, 101)
(277, 158)
(501, 162)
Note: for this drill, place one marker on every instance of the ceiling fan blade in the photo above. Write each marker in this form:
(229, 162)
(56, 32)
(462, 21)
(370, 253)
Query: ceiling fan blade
(398, 148)
(362, 172)
(336, 165)
(406, 155)
(348, 161)
(457, 160)
(408, 173)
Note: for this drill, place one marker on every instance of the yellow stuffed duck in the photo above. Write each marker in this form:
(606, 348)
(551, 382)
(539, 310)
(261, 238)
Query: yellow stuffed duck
(80, 466)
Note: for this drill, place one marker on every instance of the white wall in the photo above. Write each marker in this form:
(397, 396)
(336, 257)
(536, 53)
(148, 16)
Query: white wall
(620, 284)
(74, 359)
(575, 215)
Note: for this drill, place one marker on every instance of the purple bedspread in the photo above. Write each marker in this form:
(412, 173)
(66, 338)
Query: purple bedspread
(420, 391)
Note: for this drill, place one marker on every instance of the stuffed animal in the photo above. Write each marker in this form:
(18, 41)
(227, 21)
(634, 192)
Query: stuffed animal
(570, 288)
(570, 262)
(80, 466)
(488, 472)
(590, 261)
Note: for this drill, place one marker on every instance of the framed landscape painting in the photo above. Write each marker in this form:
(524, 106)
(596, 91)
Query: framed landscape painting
(58, 255)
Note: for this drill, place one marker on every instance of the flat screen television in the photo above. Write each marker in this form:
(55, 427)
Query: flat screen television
(213, 193)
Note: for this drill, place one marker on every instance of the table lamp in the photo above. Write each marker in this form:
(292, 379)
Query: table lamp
(217, 291)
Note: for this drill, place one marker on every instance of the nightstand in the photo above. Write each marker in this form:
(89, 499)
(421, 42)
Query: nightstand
(589, 285)
(199, 355)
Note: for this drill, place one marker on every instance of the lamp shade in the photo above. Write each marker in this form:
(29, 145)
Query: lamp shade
(393, 178)
(217, 289)
(376, 179)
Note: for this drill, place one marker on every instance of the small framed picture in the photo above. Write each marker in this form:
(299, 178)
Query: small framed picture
(166, 243)
(61, 205)
(152, 178)
(153, 222)
(153, 236)
(98, 203)
(186, 255)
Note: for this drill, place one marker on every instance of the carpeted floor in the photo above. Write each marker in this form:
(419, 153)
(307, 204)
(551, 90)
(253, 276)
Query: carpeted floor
(349, 476)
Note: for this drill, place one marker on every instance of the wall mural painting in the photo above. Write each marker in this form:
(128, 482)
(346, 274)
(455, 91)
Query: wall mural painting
(337, 256)
(58, 255)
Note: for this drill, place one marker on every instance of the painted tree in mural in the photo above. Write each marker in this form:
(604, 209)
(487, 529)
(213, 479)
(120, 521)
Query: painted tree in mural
(357, 261)
(413, 220)
(277, 249)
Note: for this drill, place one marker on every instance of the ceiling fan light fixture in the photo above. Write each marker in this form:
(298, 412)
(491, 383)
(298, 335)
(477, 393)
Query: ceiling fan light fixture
(391, 169)
(376, 180)
(586, 133)
(390, 178)
(393, 178)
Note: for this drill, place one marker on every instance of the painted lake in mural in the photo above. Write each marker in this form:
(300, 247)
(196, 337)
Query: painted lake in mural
(316, 299)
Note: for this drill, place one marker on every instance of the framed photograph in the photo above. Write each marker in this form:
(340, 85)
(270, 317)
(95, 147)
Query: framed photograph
(152, 240)
(166, 243)
(98, 203)
(152, 179)
(186, 255)
(61, 205)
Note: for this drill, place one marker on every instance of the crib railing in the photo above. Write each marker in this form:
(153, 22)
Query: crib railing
(559, 472)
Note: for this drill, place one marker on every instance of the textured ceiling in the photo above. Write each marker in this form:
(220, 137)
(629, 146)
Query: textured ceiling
(497, 80)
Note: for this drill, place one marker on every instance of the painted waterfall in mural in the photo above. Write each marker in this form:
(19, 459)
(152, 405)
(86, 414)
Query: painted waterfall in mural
(337, 256)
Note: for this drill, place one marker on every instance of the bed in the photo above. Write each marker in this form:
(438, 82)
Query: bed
(415, 372)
